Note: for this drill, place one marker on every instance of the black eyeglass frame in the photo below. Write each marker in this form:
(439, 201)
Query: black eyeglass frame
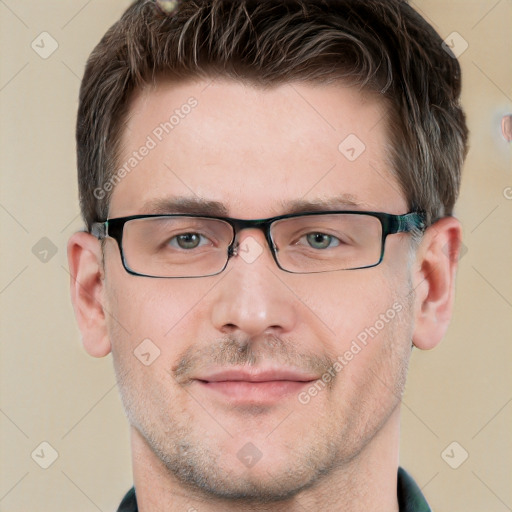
(391, 224)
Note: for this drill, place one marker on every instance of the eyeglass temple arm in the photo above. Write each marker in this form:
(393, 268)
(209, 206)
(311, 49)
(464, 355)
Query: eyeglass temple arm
(99, 229)
(415, 221)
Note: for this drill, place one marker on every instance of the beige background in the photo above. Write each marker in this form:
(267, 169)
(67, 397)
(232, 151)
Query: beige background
(52, 391)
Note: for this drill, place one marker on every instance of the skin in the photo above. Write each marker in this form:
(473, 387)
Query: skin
(339, 451)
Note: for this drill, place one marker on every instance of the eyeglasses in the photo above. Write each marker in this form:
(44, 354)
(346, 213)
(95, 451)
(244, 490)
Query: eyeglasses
(175, 245)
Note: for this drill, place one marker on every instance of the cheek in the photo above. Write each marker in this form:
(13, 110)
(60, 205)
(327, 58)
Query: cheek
(161, 310)
(349, 302)
(150, 323)
(369, 320)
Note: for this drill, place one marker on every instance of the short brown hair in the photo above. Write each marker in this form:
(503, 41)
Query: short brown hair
(383, 46)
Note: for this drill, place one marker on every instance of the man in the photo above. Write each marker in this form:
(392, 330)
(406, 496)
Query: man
(268, 190)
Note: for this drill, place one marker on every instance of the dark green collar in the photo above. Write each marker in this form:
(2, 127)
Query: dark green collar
(410, 497)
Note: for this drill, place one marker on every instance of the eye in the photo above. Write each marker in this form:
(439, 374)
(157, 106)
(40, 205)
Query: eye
(321, 240)
(187, 240)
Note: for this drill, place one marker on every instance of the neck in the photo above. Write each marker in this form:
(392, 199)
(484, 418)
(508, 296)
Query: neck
(367, 482)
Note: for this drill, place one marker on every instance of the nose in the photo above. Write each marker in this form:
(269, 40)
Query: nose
(251, 297)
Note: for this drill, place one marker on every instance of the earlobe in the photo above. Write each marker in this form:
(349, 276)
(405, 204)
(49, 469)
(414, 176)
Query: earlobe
(87, 288)
(434, 281)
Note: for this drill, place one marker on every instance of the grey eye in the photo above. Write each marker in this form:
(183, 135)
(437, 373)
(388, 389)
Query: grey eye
(321, 240)
(187, 240)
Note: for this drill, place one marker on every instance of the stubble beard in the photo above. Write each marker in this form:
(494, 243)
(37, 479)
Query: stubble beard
(330, 442)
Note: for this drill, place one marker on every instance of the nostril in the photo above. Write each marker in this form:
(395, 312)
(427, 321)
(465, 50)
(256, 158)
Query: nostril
(229, 328)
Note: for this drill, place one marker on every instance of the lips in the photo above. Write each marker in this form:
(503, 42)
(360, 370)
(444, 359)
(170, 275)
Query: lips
(257, 375)
(255, 385)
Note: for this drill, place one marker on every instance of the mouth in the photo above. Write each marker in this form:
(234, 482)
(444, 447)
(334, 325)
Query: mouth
(263, 386)
(255, 392)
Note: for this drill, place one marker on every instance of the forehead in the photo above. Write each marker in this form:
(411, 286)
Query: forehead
(254, 150)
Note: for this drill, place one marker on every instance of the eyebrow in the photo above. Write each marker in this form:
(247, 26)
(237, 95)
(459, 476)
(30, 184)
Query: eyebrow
(339, 202)
(201, 206)
(194, 205)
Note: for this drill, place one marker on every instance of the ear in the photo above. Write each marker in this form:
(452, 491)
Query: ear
(434, 281)
(87, 287)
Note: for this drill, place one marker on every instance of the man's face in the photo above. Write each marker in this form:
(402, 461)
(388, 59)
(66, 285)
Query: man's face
(255, 151)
